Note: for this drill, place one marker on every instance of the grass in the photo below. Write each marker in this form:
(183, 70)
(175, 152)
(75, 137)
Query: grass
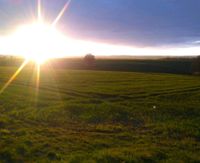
(98, 116)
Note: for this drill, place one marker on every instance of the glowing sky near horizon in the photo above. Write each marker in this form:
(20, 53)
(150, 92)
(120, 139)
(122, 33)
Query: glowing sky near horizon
(114, 27)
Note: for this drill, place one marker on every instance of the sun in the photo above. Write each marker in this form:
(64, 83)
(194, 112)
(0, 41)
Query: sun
(36, 41)
(39, 41)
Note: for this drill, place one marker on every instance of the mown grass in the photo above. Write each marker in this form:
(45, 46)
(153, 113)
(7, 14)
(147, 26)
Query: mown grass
(97, 116)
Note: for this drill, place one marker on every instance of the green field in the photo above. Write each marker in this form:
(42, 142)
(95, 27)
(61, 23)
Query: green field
(99, 116)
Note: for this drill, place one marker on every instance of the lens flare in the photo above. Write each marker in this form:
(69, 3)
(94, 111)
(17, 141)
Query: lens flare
(39, 11)
(36, 39)
(61, 12)
(13, 76)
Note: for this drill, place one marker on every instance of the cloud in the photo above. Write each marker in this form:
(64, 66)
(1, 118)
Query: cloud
(131, 22)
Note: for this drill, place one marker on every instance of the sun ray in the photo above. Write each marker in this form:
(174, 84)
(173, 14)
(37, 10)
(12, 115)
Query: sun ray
(37, 82)
(61, 12)
(14, 76)
(38, 77)
(39, 11)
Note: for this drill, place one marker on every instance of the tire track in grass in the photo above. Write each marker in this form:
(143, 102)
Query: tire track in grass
(137, 95)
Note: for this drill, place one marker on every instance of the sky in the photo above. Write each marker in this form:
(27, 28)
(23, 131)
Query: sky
(163, 25)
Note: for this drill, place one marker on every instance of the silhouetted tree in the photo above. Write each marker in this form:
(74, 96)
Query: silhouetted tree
(196, 65)
(89, 60)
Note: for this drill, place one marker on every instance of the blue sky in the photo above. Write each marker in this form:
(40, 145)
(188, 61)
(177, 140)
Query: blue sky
(143, 23)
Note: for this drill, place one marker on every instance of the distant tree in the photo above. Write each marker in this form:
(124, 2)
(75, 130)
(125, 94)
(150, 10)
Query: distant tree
(89, 59)
(196, 65)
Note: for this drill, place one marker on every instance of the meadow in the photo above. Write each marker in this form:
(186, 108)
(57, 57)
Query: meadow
(99, 116)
